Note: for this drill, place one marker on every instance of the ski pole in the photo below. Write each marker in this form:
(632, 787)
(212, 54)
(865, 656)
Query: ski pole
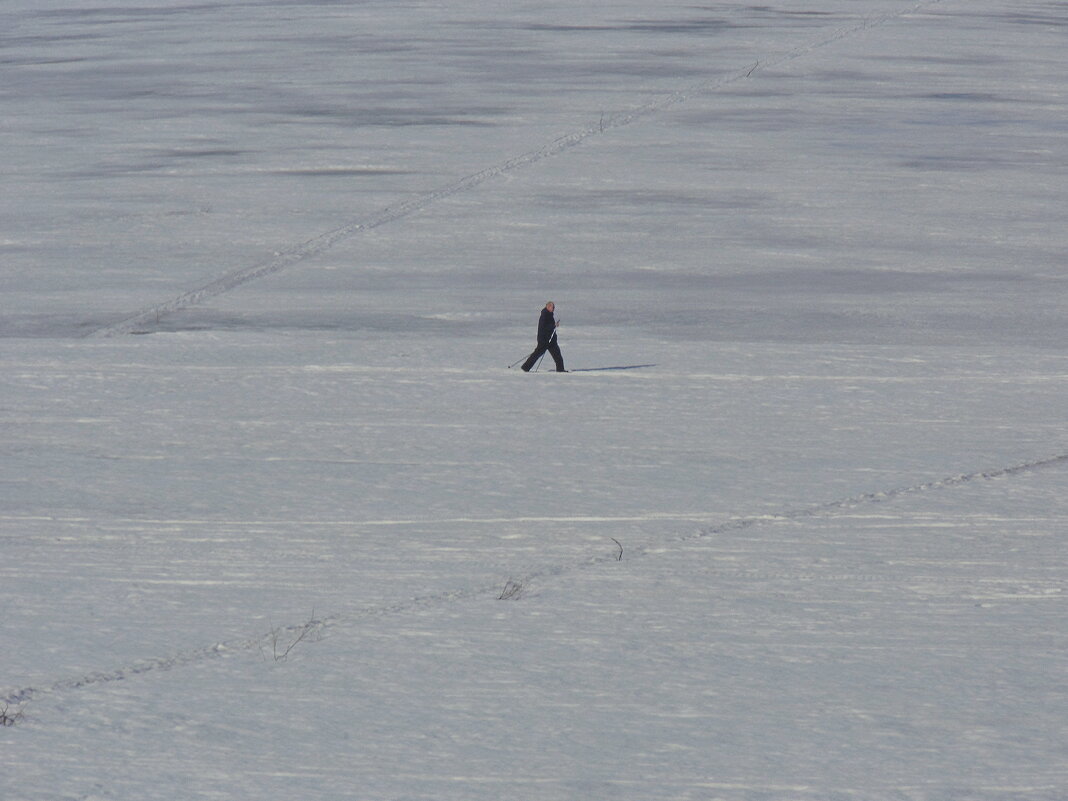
(517, 361)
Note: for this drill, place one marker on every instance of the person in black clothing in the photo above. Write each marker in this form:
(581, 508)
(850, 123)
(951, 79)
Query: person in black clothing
(546, 340)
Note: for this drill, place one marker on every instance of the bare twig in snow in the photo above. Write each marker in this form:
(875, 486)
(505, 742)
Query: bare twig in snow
(9, 717)
(312, 626)
(512, 590)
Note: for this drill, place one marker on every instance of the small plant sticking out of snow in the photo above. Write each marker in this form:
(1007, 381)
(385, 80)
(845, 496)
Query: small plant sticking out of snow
(512, 590)
(309, 632)
(9, 717)
(619, 556)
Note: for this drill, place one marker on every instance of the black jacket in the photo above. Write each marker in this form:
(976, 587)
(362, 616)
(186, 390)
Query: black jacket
(546, 327)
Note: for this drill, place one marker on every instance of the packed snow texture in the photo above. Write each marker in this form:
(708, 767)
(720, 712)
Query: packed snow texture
(279, 522)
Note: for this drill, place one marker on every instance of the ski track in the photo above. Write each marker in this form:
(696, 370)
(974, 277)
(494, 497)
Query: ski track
(318, 625)
(137, 321)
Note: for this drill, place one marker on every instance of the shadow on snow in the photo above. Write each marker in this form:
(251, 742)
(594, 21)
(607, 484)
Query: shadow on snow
(602, 369)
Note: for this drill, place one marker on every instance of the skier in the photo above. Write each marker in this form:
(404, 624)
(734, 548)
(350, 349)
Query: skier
(546, 340)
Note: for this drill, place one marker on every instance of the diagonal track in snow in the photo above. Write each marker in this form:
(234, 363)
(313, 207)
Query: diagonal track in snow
(252, 644)
(324, 242)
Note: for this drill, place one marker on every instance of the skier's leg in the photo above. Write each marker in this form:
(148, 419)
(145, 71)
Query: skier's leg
(538, 351)
(554, 351)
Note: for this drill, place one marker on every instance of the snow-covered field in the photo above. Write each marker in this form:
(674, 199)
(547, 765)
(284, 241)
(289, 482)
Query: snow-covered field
(278, 522)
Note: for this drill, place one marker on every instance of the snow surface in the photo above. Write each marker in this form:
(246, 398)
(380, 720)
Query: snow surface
(278, 522)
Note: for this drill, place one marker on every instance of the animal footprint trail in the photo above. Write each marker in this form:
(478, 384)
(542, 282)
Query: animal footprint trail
(145, 318)
(324, 624)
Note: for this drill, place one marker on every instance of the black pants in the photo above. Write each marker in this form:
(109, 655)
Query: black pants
(554, 351)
